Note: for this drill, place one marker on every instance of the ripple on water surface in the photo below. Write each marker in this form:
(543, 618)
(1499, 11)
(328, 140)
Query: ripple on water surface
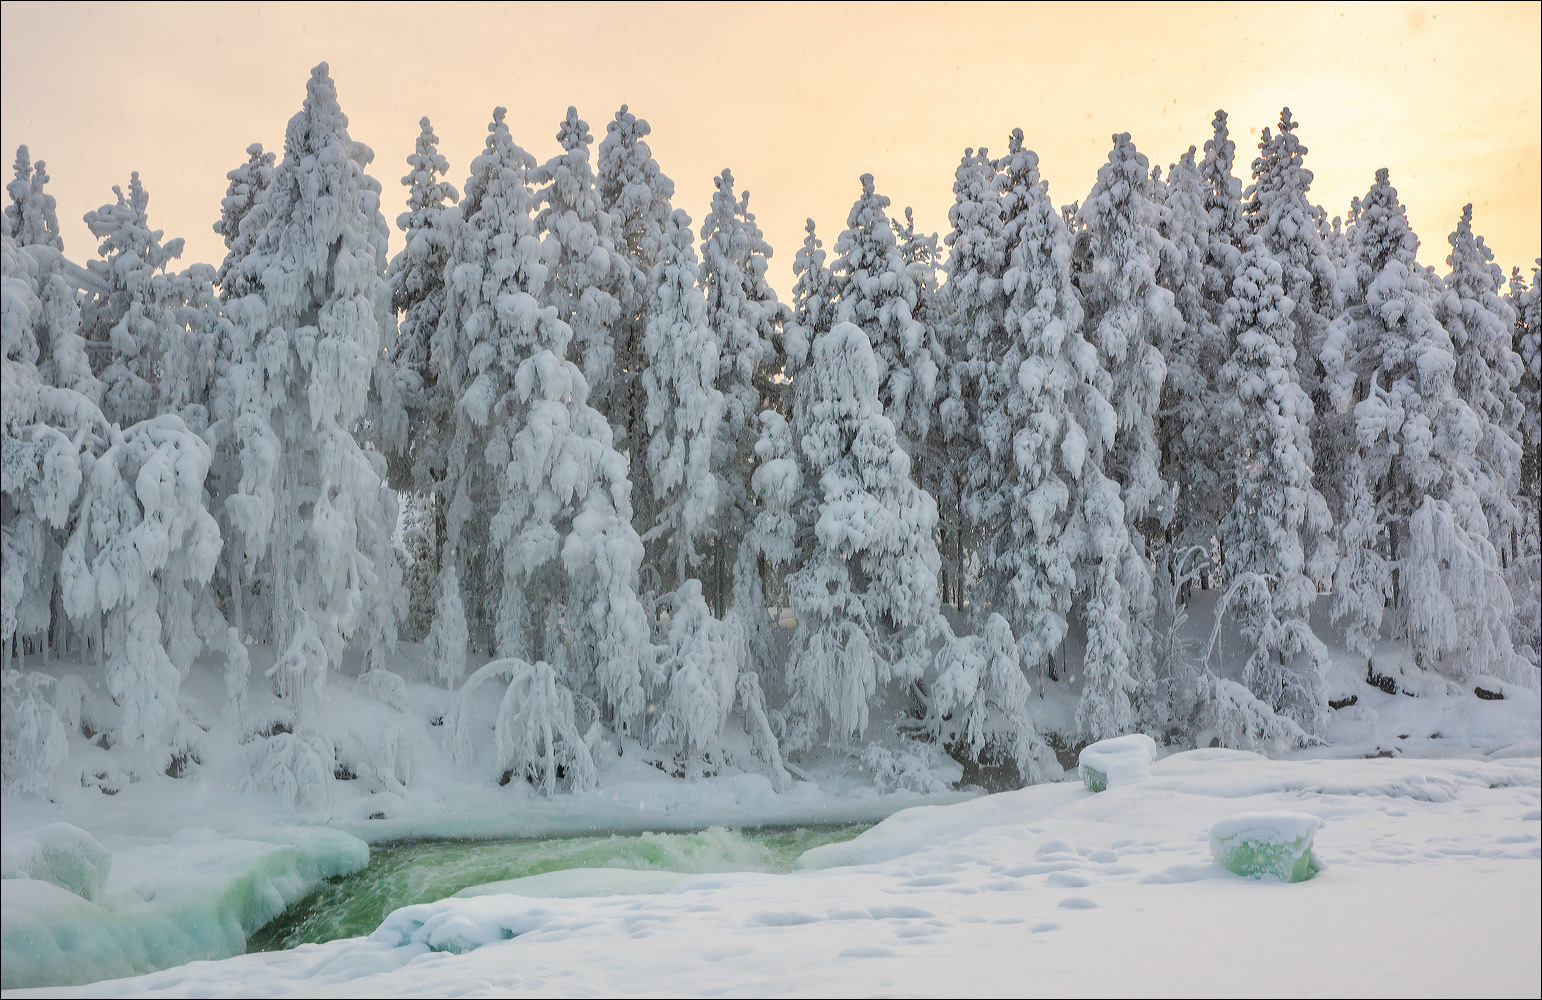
(401, 874)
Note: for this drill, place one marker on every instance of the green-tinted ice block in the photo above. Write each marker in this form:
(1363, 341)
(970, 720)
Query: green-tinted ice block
(1275, 844)
(1121, 760)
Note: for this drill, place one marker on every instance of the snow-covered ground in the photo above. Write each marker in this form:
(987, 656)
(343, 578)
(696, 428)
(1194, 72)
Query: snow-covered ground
(1431, 887)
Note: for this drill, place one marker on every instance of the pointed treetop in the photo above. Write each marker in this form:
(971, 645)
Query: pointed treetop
(626, 127)
(1219, 147)
(321, 113)
(1470, 256)
(424, 180)
(633, 188)
(124, 228)
(1279, 165)
(1382, 233)
(31, 218)
(23, 168)
(574, 131)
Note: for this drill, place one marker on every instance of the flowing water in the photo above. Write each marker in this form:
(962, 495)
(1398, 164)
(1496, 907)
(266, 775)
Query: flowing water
(405, 873)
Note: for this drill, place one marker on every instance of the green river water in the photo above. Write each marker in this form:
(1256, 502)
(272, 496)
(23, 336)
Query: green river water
(404, 873)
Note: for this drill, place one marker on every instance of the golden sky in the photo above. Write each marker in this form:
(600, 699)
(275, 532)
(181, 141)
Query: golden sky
(798, 100)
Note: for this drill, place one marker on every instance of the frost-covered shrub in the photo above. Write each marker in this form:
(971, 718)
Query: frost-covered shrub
(698, 671)
(34, 741)
(980, 699)
(382, 759)
(386, 687)
(297, 767)
(535, 734)
(758, 724)
(1243, 722)
(914, 767)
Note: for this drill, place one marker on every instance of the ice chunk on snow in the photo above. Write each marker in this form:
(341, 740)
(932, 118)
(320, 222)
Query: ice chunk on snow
(575, 883)
(1275, 843)
(61, 854)
(1117, 761)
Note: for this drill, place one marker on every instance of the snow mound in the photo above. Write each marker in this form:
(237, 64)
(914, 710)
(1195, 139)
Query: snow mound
(575, 883)
(1121, 760)
(195, 898)
(1278, 844)
(460, 926)
(60, 854)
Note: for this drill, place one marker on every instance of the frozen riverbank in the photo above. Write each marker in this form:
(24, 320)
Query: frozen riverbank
(1431, 885)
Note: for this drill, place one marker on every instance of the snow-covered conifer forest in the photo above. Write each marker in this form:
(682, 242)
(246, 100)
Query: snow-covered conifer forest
(566, 480)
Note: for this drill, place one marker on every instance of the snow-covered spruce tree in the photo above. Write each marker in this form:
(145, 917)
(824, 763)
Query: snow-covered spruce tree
(1472, 308)
(935, 465)
(414, 419)
(535, 484)
(876, 291)
(191, 355)
(130, 503)
(142, 529)
(1192, 440)
(1032, 422)
(1277, 208)
(1526, 575)
(311, 510)
(1276, 536)
(812, 309)
(971, 336)
(46, 433)
(588, 272)
(865, 598)
(636, 194)
(679, 367)
(743, 314)
(811, 312)
(243, 194)
(1223, 204)
(495, 251)
(31, 219)
(1526, 300)
(1414, 532)
(782, 529)
(1127, 315)
(128, 325)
